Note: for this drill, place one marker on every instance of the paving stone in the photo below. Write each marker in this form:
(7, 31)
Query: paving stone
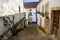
(31, 33)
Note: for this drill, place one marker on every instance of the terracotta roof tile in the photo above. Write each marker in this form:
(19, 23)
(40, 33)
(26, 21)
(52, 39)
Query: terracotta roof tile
(30, 4)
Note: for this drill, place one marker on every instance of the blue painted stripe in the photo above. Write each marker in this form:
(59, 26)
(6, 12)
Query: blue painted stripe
(32, 22)
(36, 14)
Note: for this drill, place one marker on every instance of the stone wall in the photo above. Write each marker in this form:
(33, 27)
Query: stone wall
(7, 22)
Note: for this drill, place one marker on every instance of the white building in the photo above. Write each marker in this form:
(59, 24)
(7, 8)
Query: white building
(47, 19)
(10, 7)
(30, 9)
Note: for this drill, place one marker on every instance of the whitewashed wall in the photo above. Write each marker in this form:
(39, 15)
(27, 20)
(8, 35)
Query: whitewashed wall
(17, 18)
(52, 3)
(40, 5)
(33, 14)
(38, 18)
(11, 7)
(55, 3)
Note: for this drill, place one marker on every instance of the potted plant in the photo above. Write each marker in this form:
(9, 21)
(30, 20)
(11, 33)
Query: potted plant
(42, 14)
(47, 17)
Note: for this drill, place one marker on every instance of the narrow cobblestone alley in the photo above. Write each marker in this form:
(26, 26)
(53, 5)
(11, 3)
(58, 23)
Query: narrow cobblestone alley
(29, 19)
(31, 33)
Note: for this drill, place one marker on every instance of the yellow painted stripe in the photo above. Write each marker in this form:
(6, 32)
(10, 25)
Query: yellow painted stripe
(43, 29)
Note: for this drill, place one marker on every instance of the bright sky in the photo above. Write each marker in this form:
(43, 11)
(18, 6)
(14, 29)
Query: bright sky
(31, 0)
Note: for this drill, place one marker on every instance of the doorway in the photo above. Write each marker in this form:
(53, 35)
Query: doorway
(55, 22)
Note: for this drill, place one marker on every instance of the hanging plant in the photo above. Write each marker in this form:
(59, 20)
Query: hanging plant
(38, 12)
(42, 14)
(47, 17)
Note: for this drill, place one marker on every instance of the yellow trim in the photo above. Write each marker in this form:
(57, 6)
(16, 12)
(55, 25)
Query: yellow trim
(43, 29)
(55, 8)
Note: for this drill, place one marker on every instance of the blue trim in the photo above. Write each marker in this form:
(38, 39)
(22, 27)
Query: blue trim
(32, 22)
(36, 15)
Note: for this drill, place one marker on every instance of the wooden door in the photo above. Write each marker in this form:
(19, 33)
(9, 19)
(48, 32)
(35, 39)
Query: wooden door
(55, 24)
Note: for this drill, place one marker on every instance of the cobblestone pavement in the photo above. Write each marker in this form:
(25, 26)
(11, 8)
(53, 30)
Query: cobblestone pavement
(31, 33)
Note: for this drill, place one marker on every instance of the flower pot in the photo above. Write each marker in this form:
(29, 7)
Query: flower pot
(47, 17)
